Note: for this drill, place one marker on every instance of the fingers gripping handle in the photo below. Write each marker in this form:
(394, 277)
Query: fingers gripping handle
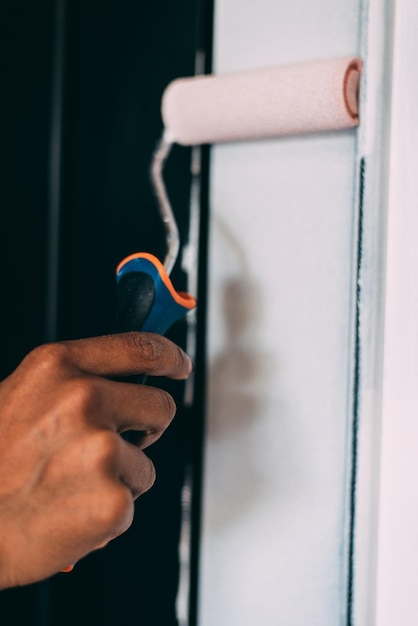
(147, 301)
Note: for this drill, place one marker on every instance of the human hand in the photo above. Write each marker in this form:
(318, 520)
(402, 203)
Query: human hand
(68, 480)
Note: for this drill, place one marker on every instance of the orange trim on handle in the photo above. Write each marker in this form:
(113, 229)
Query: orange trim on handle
(182, 298)
(67, 569)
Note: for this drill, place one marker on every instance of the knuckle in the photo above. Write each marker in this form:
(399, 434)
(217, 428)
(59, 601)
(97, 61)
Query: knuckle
(49, 356)
(104, 451)
(83, 394)
(149, 348)
(115, 512)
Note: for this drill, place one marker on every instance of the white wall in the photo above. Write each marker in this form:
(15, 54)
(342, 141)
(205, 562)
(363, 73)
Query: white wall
(281, 319)
(397, 590)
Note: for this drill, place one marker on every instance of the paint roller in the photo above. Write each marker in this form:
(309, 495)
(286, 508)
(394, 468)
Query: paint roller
(266, 103)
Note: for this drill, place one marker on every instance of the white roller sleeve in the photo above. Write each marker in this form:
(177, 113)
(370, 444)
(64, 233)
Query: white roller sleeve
(269, 102)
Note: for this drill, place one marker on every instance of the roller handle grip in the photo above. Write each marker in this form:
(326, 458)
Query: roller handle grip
(135, 298)
(146, 298)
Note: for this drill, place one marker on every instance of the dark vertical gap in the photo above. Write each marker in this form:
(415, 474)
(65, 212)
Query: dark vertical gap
(204, 39)
(54, 219)
(199, 409)
(55, 162)
(356, 406)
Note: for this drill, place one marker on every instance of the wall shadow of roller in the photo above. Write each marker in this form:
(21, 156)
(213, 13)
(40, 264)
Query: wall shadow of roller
(237, 377)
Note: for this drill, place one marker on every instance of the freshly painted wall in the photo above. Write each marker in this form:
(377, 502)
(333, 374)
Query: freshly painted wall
(281, 325)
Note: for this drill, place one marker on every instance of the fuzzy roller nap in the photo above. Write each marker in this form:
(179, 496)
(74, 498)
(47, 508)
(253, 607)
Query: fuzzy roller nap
(263, 103)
